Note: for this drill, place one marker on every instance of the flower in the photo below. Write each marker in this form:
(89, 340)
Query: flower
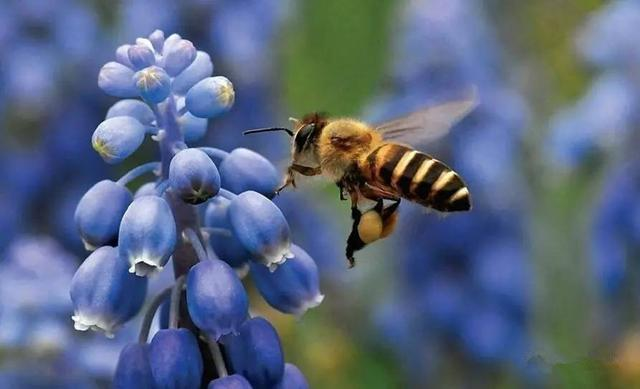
(292, 378)
(133, 370)
(293, 287)
(116, 80)
(193, 176)
(99, 212)
(261, 228)
(147, 235)
(235, 381)
(104, 294)
(217, 301)
(210, 97)
(243, 170)
(256, 353)
(153, 83)
(117, 138)
(175, 359)
(134, 108)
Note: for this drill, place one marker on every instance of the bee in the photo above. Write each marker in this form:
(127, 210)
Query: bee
(377, 162)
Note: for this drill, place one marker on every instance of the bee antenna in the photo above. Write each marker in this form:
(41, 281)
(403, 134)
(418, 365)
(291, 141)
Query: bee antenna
(269, 129)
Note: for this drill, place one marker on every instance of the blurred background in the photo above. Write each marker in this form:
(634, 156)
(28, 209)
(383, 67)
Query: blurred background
(538, 286)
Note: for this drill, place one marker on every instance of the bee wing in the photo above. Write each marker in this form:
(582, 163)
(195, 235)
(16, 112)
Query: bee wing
(427, 124)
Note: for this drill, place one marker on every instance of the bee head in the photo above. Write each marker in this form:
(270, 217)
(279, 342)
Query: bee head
(308, 131)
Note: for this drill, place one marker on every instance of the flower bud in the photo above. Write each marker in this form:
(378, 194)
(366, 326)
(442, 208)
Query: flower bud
(256, 353)
(147, 235)
(141, 56)
(133, 370)
(99, 212)
(261, 228)
(122, 56)
(244, 170)
(157, 40)
(193, 128)
(216, 299)
(153, 83)
(235, 381)
(117, 80)
(293, 287)
(134, 108)
(210, 97)
(228, 248)
(292, 378)
(117, 138)
(175, 359)
(200, 68)
(194, 176)
(148, 189)
(177, 56)
(103, 293)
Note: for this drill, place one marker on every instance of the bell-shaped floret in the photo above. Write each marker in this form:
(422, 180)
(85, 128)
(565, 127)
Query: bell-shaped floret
(157, 40)
(147, 189)
(244, 170)
(116, 80)
(216, 299)
(147, 235)
(122, 55)
(175, 359)
(256, 353)
(141, 56)
(99, 212)
(261, 228)
(200, 68)
(235, 381)
(292, 378)
(153, 83)
(224, 241)
(133, 370)
(193, 176)
(177, 55)
(193, 128)
(210, 97)
(293, 287)
(104, 294)
(134, 108)
(117, 138)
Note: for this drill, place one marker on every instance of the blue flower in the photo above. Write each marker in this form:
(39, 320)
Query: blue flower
(234, 381)
(117, 138)
(226, 245)
(133, 370)
(200, 68)
(292, 378)
(193, 128)
(244, 170)
(134, 108)
(116, 80)
(210, 97)
(261, 228)
(193, 176)
(175, 359)
(104, 294)
(217, 301)
(256, 353)
(177, 55)
(153, 83)
(141, 56)
(147, 235)
(293, 287)
(99, 213)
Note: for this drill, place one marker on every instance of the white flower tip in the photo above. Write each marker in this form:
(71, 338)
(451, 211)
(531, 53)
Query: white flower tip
(143, 267)
(88, 246)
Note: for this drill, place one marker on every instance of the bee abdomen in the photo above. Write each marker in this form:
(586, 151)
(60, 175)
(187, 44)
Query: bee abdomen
(419, 177)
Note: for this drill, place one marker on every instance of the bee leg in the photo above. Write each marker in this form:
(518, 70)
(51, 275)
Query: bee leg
(354, 243)
(389, 219)
(341, 190)
(289, 179)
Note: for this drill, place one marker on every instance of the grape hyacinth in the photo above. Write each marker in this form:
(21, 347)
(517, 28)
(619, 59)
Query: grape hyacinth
(168, 92)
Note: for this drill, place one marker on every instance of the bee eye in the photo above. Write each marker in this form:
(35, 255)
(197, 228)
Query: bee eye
(303, 135)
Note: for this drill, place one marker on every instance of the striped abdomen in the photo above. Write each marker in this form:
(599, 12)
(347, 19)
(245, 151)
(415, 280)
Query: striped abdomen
(418, 177)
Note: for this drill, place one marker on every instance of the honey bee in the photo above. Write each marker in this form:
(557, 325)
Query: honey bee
(377, 163)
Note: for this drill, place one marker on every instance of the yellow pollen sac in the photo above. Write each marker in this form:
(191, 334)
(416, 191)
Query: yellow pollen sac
(370, 226)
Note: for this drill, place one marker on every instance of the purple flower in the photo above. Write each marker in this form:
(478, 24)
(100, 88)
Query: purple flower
(234, 381)
(133, 370)
(244, 170)
(116, 80)
(210, 97)
(292, 378)
(193, 176)
(175, 359)
(117, 138)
